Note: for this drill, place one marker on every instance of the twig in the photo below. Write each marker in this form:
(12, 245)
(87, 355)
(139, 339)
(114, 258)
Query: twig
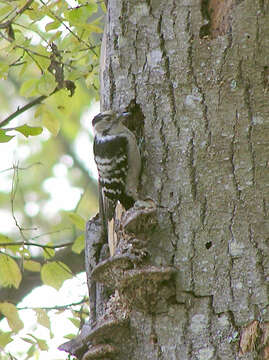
(14, 188)
(19, 12)
(22, 168)
(56, 307)
(35, 244)
(23, 109)
(49, 233)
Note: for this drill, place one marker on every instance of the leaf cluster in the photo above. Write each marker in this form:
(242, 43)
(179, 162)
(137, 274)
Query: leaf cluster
(49, 76)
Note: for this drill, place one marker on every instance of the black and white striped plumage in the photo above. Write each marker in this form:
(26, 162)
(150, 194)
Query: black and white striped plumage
(118, 162)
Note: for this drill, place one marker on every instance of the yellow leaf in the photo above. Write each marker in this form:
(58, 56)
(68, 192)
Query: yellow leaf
(51, 122)
(69, 336)
(39, 110)
(91, 27)
(50, 116)
(77, 220)
(27, 130)
(10, 274)
(79, 244)
(75, 322)
(32, 265)
(42, 344)
(52, 25)
(42, 318)
(11, 313)
(5, 338)
(4, 137)
(55, 273)
(4, 239)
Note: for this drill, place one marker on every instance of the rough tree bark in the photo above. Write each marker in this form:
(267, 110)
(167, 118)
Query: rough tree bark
(197, 73)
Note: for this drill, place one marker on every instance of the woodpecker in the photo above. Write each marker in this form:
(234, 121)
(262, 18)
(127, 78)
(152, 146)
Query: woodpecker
(118, 162)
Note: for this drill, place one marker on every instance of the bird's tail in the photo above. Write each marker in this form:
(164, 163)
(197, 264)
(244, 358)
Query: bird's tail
(110, 213)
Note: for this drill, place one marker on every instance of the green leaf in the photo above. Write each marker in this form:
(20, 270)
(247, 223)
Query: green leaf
(28, 88)
(29, 341)
(55, 36)
(75, 322)
(50, 118)
(4, 137)
(10, 274)
(36, 12)
(27, 130)
(5, 338)
(4, 239)
(77, 220)
(23, 68)
(51, 123)
(69, 336)
(42, 318)
(48, 253)
(42, 344)
(79, 244)
(46, 84)
(91, 28)
(31, 265)
(43, 57)
(11, 313)
(31, 351)
(4, 67)
(55, 273)
(80, 15)
(5, 10)
(52, 25)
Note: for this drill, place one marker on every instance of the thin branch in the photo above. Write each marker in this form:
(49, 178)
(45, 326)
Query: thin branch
(15, 181)
(49, 233)
(34, 60)
(23, 109)
(21, 168)
(56, 307)
(19, 12)
(35, 244)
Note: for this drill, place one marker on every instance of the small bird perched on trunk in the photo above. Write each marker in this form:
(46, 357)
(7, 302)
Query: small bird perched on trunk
(119, 163)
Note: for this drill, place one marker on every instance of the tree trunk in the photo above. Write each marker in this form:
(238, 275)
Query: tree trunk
(197, 74)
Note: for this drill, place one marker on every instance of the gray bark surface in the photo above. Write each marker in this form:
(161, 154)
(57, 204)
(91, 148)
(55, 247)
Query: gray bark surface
(205, 102)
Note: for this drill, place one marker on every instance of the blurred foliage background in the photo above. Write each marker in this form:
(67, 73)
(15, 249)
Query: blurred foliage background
(49, 92)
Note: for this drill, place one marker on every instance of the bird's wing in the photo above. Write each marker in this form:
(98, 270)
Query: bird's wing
(112, 162)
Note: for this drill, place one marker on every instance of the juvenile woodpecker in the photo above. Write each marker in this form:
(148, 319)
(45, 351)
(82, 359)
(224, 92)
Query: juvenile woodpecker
(118, 162)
